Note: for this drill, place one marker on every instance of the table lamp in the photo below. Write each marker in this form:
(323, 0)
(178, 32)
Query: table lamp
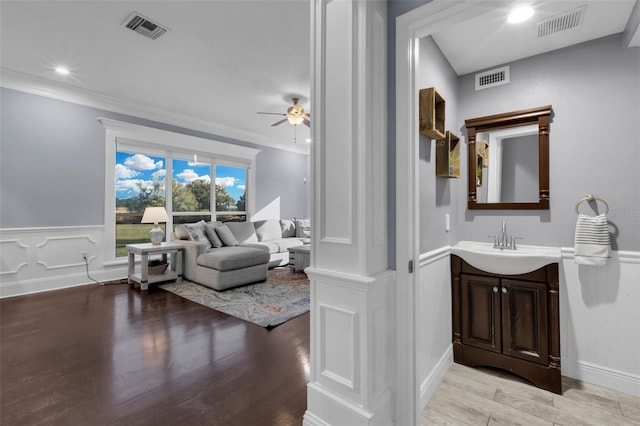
(155, 215)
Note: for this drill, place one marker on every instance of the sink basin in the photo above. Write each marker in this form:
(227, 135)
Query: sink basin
(506, 262)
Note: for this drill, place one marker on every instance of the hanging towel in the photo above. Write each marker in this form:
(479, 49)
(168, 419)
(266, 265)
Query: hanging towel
(593, 245)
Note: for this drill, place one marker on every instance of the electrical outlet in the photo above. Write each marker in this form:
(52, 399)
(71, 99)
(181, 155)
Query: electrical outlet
(84, 256)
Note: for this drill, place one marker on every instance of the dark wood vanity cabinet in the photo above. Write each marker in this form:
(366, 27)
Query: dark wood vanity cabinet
(509, 322)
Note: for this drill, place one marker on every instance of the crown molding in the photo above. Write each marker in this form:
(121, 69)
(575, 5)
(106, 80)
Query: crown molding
(38, 86)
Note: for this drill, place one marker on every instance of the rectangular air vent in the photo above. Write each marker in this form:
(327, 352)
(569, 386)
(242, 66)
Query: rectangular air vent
(492, 78)
(561, 22)
(145, 26)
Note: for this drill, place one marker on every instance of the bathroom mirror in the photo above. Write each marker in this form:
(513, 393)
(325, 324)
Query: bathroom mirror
(508, 160)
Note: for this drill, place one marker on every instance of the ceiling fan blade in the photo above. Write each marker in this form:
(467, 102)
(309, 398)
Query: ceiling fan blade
(271, 113)
(306, 122)
(279, 122)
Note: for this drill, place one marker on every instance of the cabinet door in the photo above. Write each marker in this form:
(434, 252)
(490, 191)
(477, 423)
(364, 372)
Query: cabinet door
(524, 319)
(481, 312)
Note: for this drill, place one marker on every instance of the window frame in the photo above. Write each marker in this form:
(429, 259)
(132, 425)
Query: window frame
(170, 145)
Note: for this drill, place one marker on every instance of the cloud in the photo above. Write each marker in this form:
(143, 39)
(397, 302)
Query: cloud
(123, 172)
(242, 187)
(128, 185)
(142, 162)
(226, 182)
(159, 174)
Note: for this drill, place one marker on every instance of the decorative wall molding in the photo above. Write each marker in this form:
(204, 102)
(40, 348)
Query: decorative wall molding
(606, 377)
(50, 258)
(430, 383)
(339, 356)
(14, 256)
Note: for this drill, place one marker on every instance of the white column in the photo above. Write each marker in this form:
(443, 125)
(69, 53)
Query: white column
(352, 303)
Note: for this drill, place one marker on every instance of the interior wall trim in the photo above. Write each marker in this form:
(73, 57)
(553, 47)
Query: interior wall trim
(430, 383)
(607, 377)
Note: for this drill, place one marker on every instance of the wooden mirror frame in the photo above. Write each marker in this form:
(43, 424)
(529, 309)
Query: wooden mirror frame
(540, 116)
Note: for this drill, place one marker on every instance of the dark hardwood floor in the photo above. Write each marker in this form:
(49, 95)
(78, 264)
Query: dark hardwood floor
(103, 355)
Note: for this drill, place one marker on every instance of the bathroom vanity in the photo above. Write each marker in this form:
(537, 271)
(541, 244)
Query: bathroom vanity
(506, 318)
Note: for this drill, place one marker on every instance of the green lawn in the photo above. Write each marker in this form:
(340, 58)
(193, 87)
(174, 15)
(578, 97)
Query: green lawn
(131, 234)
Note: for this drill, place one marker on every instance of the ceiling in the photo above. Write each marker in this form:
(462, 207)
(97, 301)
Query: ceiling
(224, 60)
(488, 40)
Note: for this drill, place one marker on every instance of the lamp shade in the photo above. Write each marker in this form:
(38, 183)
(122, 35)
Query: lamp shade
(154, 215)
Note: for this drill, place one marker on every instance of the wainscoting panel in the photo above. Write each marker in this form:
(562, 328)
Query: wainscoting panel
(599, 317)
(339, 350)
(434, 353)
(42, 259)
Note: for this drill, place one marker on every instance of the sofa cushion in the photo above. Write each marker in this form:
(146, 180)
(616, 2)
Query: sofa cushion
(226, 236)
(267, 230)
(197, 232)
(303, 228)
(285, 243)
(268, 246)
(244, 232)
(231, 258)
(210, 231)
(287, 228)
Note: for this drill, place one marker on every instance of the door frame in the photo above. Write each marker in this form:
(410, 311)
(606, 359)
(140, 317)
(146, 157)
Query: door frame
(410, 28)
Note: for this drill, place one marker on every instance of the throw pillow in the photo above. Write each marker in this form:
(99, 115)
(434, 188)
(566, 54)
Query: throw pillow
(198, 233)
(288, 228)
(182, 233)
(303, 228)
(210, 231)
(226, 236)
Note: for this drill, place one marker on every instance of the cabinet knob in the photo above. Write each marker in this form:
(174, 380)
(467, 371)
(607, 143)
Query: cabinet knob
(504, 290)
(495, 288)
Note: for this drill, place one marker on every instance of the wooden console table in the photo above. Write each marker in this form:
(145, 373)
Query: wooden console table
(173, 272)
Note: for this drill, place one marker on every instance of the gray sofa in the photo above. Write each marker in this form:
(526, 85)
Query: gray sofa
(225, 255)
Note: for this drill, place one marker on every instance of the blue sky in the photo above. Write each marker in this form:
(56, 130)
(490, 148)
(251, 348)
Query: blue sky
(134, 169)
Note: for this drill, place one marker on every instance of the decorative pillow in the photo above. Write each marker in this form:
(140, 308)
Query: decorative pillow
(182, 233)
(288, 228)
(226, 236)
(210, 231)
(268, 230)
(198, 233)
(303, 228)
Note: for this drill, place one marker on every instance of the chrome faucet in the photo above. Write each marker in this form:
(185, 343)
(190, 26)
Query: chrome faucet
(502, 241)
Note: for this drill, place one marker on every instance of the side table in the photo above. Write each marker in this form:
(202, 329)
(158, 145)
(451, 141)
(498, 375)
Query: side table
(174, 272)
(299, 257)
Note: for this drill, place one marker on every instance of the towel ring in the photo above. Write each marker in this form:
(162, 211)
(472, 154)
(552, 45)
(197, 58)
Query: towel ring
(590, 197)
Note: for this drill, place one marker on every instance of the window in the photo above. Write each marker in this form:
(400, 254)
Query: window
(140, 183)
(153, 168)
(191, 191)
(231, 193)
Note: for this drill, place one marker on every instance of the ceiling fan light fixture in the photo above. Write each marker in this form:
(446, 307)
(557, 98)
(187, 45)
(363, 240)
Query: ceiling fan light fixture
(295, 114)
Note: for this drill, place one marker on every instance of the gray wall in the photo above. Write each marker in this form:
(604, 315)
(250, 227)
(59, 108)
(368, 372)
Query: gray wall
(438, 195)
(52, 156)
(594, 89)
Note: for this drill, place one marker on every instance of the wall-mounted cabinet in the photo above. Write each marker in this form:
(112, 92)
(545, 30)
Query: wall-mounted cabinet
(448, 156)
(432, 114)
(508, 321)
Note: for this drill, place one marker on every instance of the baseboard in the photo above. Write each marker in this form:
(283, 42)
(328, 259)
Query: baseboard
(430, 384)
(58, 282)
(601, 376)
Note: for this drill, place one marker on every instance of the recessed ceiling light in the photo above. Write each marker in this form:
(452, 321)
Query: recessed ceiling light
(62, 70)
(520, 14)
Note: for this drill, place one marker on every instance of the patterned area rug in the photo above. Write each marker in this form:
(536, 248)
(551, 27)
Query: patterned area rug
(283, 296)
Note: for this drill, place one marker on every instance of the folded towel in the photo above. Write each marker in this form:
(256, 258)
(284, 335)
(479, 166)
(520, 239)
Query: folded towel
(593, 245)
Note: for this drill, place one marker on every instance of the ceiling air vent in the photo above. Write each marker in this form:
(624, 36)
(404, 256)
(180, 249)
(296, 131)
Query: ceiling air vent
(492, 78)
(144, 26)
(562, 22)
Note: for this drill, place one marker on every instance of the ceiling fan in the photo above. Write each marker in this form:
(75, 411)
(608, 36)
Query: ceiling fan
(295, 115)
